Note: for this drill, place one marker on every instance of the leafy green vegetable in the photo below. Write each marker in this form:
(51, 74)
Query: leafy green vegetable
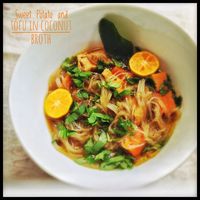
(81, 110)
(78, 83)
(178, 100)
(103, 155)
(92, 119)
(165, 87)
(76, 114)
(118, 63)
(63, 131)
(123, 126)
(163, 91)
(83, 75)
(96, 154)
(71, 118)
(100, 143)
(90, 159)
(150, 83)
(133, 80)
(95, 98)
(95, 117)
(74, 106)
(117, 162)
(91, 110)
(88, 147)
(77, 75)
(102, 65)
(92, 147)
(122, 94)
(110, 85)
(115, 45)
(82, 94)
(113, 85)
(68, 62)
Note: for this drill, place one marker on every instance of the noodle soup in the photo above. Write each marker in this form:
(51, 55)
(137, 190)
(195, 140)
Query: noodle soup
(111, 111)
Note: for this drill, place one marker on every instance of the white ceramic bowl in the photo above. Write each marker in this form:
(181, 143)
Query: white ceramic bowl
(147, 30)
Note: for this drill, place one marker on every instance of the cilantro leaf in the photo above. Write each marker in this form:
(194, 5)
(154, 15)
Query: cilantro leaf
(103, 155)
(101, 65)
(92, 147)
(63, 132)
(100, 143)
(78, 83)
(68, 62)
(122, 94)
(110, 85)
(178, 100)
(71, 118)
(123, 126)
(98, 117)
(77, 75)
(117, 162)
(76, 114)
(133, 80)
(82, 94)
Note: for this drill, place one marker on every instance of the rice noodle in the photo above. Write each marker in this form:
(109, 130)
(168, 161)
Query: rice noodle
(93, 84)
(105, 97)
(146, 111)
(112, 107)
(71, 148)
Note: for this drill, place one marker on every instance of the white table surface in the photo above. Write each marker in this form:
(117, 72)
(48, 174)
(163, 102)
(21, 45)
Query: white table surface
(22, 177)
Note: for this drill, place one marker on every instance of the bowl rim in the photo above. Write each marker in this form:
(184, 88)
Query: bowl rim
(23, 143)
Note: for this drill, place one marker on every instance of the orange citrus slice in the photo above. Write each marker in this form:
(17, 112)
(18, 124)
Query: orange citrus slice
(57, 103)
(143, 63)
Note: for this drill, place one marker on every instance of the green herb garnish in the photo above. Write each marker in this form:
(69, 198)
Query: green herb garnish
(68, 62)
(77, 75)
(133, 80)
(92, 147)
(76, 114)
(82, 94)
(63, 132)
(110, 85)
(123, 127)
(178, 100)
(117, 162)
(122, 94)
(95, 117)
(102, 65)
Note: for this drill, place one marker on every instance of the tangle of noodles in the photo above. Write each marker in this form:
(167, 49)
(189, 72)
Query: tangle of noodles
(147, 112)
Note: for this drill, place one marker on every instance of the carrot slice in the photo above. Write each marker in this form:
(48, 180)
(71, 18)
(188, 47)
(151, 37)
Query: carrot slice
(159, 78)
(168, 101)
(134, 144)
